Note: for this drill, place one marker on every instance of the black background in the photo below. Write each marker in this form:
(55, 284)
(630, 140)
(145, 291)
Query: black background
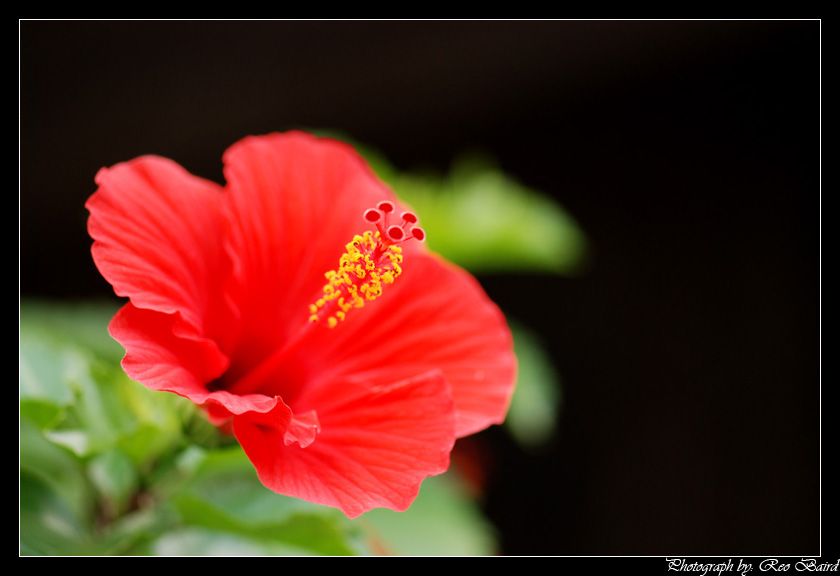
(688, 151)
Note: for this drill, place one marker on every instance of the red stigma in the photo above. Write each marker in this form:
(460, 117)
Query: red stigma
(393, 233)
(409, 217)
(385, 206)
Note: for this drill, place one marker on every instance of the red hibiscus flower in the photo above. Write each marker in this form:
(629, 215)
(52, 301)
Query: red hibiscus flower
(299, 306)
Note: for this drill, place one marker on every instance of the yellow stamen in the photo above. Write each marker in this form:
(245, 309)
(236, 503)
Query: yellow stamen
(367, 264)
(371, 261)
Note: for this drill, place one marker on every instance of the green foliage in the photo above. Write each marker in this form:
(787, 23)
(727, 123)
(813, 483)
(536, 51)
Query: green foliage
(537, 400)
(444, 521)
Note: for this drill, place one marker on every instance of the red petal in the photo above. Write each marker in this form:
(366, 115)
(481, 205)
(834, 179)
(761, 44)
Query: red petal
(165, 361)
(378, 440)
(295, 201)
(435, 316)
(161, 360)
(156, 232)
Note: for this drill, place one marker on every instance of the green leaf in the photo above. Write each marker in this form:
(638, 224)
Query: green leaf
(41, 377)
(194, 541)
(116, 479)
(57, 384)
(485, 221)
(51, 478)
(532, 417)
(84, 324)
(89, 436)
(48, 526)
(443, 521)
(225, 505)
(72, 386)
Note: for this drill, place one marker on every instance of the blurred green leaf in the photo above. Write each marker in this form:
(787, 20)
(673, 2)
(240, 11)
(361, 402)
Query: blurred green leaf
(41, 373)
(482, 219)
(47, 524)
(82, 323)
(192, 541)
(56, 501)
(88, 434)
(116, 479)
(72, 385)
(532, 417)
(443, 521)
(226, 497)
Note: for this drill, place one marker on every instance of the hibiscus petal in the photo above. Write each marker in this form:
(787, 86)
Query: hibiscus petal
(378, 440)
(164, 361)
(455, 327)
(156, 236)
(435, 316)
(161, 360)
(295, 201)
(156, 240)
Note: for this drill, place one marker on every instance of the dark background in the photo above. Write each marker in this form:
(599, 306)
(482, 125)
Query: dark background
(688, 151)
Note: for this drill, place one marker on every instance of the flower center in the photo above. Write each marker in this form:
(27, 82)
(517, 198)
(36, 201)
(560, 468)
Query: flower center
(371, 261)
